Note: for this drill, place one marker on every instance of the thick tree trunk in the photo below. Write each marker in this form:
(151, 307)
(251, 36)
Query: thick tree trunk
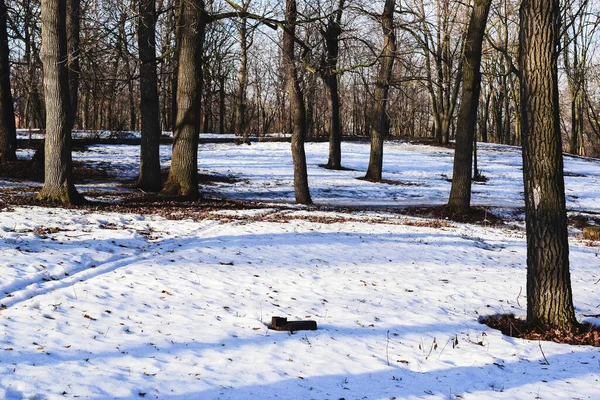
(379, 124)
(149, 176)
(549, 295)
(58, 182)
(298, 108)
(183, 175)
(460, 193)
(8, 135)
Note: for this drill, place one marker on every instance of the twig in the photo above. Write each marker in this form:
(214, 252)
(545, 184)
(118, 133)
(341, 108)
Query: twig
(519, 295)
(433, 345)
(443, 348)
(543, 355)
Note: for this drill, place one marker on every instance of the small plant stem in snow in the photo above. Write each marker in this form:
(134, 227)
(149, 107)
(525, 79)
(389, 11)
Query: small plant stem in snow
(543, 355)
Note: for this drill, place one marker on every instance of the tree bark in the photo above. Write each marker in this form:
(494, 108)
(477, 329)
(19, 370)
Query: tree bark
(73, 28)
(332, 35)
(485, 119)
(34, 111)
(549, 295)
(8, 135)
(149, 177)
(183, 175)
(222, 104)
(58, 181)
(379, 125)
(298, 108)
(460, 193)
(240, 103)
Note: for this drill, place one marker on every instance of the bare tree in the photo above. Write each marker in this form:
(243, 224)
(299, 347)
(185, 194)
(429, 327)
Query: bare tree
(380, 122)
(331, 34)
(442, 44)
(246, 35)
(149, 177)
(460, 193)
(298, 108)
(73, 28)
(183, 174)
(579, 36)
(58, 179)
(549, 294)
(8, 135)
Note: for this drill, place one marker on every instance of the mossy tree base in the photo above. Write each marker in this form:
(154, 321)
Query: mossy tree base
(64, 195)
(184, 191)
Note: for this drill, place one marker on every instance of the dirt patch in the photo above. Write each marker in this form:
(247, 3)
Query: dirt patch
(584, 334)
(581, 221)
(30, 170)
(325, 166)
(25, 170)
(476, 215)
(389, 182)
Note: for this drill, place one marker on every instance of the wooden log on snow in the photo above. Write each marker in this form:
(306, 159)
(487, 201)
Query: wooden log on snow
(282, 324)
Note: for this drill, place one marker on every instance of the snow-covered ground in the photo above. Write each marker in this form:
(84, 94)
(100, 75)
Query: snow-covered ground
(129, 306)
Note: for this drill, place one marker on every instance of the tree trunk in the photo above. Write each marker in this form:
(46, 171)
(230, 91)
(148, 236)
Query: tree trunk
(379, 124)
(332, 35)
(485, 119)
(549, 295)
(297, 106)
(222, 104)
(58, 181)
(34, 110)
(460, 193)
(240, 104)
(8, 135)
(73, 27)
(183, 175)
(149, 176)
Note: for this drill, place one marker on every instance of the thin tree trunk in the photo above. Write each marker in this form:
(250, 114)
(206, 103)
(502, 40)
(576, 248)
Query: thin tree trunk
(549, 294)
(8, 135)
(485, 119)
(222, 104)
(34, 111)
(297, 106)
(379, 125)
(58, 181)
(240, 104)
(206, 104)
(183, 175)
(73, 27)
(149, 177)
(460, 193)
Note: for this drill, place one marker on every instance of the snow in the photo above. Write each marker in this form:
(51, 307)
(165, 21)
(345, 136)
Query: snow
(107, 305)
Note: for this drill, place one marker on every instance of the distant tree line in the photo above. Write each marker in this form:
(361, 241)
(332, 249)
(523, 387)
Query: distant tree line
(244, 75)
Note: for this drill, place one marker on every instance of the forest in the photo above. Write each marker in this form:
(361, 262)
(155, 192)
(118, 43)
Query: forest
(461, 77)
